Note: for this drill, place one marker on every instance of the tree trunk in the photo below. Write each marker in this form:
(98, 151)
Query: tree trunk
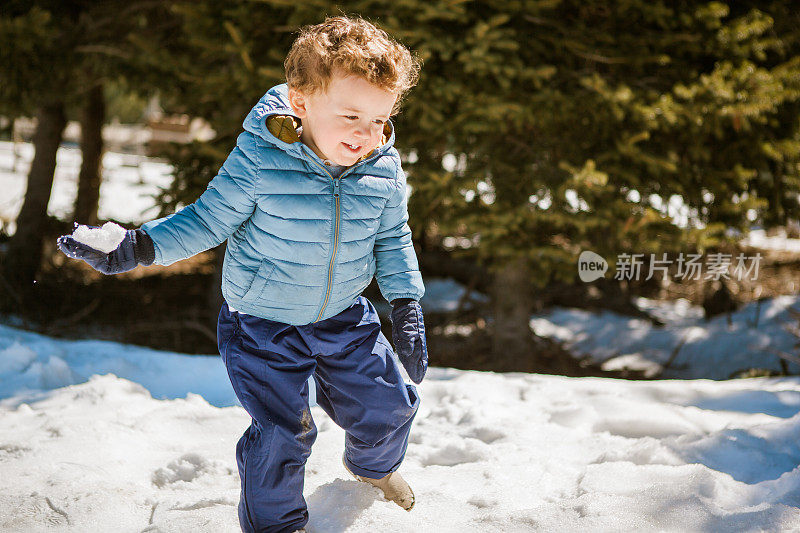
(25, 248)
(512, 340)
(89, 178)
(16, 138)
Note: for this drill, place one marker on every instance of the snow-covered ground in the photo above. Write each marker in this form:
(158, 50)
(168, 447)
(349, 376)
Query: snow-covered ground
(488, 451)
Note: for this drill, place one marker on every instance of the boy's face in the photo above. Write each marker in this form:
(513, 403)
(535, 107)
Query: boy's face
(344, 122)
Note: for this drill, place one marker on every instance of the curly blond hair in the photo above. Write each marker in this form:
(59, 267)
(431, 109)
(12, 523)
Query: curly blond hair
(354, 47)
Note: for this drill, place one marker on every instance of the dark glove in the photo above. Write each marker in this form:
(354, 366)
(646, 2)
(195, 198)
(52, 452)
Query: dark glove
(408, 337)
(136, 248)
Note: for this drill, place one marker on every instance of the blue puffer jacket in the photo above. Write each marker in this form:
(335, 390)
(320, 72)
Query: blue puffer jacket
(301, 244)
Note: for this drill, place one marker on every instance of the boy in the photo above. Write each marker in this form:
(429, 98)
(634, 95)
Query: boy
(312, 203)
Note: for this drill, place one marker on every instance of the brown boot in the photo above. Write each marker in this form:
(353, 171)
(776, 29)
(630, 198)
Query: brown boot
(393, 485)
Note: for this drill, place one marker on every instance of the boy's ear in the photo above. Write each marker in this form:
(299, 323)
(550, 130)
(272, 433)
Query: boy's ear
(298, 103)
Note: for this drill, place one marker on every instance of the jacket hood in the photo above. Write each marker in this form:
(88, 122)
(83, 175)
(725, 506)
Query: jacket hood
(273, 120)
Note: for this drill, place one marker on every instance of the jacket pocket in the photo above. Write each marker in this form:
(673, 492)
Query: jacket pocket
(260, 280)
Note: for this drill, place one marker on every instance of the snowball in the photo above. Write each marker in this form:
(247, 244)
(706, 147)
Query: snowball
(105, 239)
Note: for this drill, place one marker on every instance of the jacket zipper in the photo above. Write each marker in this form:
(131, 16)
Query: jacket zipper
(335, 231)
(335, 241)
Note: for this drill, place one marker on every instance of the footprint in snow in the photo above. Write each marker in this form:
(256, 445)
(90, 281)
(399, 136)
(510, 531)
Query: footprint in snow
(487, 435)
(573, 416)
(203, 504)
(482, 502)
(452, 455)
(187, 468)
(12, 451)
(336, 505)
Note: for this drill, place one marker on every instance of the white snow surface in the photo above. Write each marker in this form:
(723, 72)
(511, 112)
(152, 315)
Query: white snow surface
(687, 346)
(758, 238)
(106, 238)
(488, 451)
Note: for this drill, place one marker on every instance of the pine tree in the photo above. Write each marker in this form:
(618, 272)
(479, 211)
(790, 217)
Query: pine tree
(566, 118)
(54, 57)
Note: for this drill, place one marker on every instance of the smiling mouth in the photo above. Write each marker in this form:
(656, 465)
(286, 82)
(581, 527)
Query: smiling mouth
(353, 148)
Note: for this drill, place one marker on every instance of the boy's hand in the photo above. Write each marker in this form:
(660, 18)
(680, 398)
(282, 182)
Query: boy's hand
(136, 248)
(408, 337)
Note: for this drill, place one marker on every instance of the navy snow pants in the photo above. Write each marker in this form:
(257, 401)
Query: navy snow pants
(358, 384)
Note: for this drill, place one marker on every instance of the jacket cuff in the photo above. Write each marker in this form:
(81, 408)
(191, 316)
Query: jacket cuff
(144, 251)
(411, 295)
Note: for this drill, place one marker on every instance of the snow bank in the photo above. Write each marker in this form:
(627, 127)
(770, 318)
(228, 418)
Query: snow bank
(687, 346)
(445, 294)
(32, 363)
(758, 238)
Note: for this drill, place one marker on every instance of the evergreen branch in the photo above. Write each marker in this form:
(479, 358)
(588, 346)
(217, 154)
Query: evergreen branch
(98, 23)
(575, 49)
(103, 50)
